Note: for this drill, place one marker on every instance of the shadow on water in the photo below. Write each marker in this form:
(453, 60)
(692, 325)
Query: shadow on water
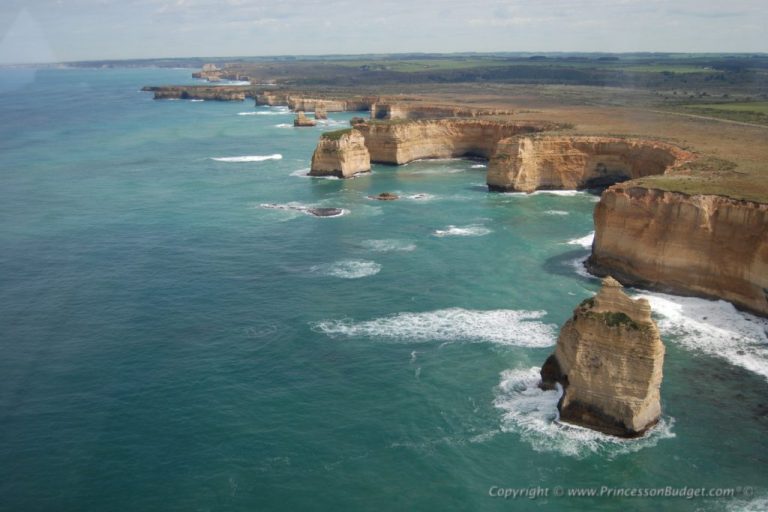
(565, 264)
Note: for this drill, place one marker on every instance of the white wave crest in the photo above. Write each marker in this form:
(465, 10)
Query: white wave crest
(304, 173)
(248, 158)
(502, 326)
(315, 211)
(578, 266)
(531, 412)
(716, 328)
(196, 101)
(479, 166)
(585, 241)
(566, 193)
(759, 504)
(388, 245)
(558, 212)
(246, 113)
(348, 269)
(284, 125)
(420, 197)
(471, 230)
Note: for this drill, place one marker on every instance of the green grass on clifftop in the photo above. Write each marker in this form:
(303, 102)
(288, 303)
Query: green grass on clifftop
(336, 134)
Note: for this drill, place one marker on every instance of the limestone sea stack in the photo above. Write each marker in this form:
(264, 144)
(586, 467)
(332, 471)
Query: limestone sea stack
(608, 359)
(303, 120)
(341, 153)
(320, 112)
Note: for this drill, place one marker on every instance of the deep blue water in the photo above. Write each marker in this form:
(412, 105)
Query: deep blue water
(170, 343)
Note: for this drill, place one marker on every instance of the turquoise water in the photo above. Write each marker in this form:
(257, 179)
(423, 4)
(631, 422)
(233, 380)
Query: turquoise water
(169, 343)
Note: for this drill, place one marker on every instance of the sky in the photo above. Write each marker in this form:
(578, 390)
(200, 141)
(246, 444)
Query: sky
(33, 31)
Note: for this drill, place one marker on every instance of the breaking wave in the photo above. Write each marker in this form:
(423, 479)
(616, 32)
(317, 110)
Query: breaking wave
(471, 230)
(388, 245)
(531, 412)
(714, 327)
(502, 326)
(348, 269)
(248, 158)
(585, 241)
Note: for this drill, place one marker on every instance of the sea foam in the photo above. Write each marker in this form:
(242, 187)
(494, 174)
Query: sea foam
(585, 241)
(348, 269)
(471, 230)
(388, 245)
(532, 413)
(715, 328)
(248, 158)
(501, 326)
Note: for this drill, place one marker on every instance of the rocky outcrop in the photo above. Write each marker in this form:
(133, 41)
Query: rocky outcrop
(385, 196)
(310, 104)
(209, 72)
(341, 153)
(399, 142)
(272, 99)
(299, 101)
(609, 360)
(528, 163)
(201, 92)
(390, 111)
(303, 120)
(704, 245)
(320, 112)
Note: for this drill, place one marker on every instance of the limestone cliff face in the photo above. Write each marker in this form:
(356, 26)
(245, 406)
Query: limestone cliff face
(402, 142)
(704, 245)
(609, 360)
(320, 112)
(528, 163)
(201, 92)
(310, 104)
(389, 111)
(342, 154)
(272, 99)
(299, 101)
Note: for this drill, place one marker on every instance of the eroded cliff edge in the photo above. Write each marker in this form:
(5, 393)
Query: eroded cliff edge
(703, 245)
(609, 360)
(402, 142)
(528, 163)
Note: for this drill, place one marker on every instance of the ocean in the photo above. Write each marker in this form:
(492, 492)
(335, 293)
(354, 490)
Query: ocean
(179, 333)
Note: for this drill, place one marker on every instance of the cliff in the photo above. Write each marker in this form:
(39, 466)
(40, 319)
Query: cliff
(528, 163)
(320, 112)
(299, 101)
(201, 92)
(390, 111)
(341, 153)
(405, 141)
(609, 360)
(703, 245)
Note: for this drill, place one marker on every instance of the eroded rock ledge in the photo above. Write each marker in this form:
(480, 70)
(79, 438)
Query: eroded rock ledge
(702, 245)
(402, 142)
(413, 111)
(528, 163)
(609, 360)
(300, 101)
(202, 92)
(342, 154)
